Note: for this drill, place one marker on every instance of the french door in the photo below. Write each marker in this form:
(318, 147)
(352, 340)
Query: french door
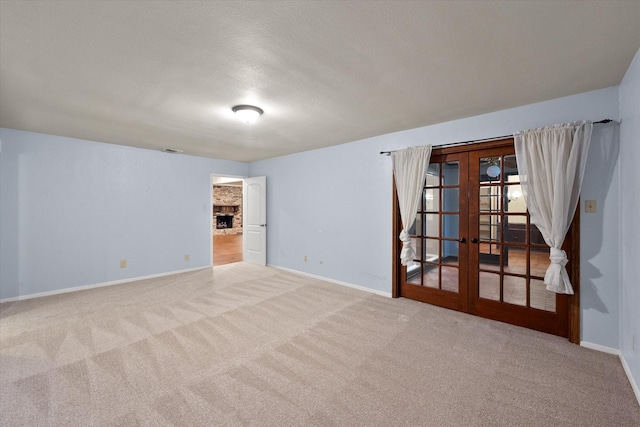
(476, 248)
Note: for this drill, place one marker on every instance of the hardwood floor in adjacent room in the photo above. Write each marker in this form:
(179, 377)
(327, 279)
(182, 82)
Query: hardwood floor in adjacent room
(227, 249)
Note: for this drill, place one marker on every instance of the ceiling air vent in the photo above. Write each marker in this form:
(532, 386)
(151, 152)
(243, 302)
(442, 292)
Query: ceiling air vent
(172, 151)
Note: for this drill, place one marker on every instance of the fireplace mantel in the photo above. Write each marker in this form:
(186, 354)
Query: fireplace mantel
(225, 209)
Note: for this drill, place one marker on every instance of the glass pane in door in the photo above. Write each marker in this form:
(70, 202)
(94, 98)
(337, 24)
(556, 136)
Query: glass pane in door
(414, 274)
(442, 259)
(515, 290)
(541, 298)
(431, 275)
(490, 169)
(450, 252)
(431, 199)
(489, 285)
(433, 175)
(510, 168)
(431, 225)
(515, 260)
(449, 280)
(451, 173)
(450, 226)
(437, 230)
(512, 255)
(539, 261)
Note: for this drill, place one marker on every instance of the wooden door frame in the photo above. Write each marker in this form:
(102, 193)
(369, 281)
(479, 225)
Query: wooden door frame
(574, 272)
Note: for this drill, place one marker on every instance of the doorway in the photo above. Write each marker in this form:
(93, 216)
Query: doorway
(227, 220)
(476, 248)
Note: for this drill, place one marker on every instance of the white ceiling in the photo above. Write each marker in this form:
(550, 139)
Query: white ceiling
(166, 74)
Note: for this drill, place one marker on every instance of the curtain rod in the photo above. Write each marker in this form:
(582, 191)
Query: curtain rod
(495, 138)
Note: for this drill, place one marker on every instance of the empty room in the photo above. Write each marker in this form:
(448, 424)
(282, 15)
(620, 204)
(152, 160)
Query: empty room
(319, 213)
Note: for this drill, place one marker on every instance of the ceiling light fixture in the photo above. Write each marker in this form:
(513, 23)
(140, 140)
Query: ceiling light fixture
(247, 113)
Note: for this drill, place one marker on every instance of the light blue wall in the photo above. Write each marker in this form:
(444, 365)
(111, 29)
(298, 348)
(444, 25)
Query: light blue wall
(600, 238)
(334, 204)
(70, 210)
(629, 224)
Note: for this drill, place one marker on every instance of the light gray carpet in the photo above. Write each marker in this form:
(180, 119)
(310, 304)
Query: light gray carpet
(249, 345)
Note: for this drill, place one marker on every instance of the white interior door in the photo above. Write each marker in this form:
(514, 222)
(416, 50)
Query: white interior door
(254, 208)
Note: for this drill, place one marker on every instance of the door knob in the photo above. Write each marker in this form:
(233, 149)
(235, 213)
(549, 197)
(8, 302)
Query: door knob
(463, 240)
(474, 240)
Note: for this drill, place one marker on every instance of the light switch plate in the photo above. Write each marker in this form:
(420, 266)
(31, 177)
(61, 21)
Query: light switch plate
(590, 206)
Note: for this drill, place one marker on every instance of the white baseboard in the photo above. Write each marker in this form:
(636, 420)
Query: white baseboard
(97, 285)
(616, 352)
(634, 385)
(598, 347)
(337, 282)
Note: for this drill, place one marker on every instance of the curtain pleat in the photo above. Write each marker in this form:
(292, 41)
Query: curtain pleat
(551, 163)
(409, 169)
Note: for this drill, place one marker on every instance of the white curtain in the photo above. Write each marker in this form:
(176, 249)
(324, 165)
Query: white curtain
(409, 170)
(551, 163)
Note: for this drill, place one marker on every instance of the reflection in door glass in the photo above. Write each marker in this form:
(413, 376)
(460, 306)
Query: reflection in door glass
(432, 250)
(514, 260)
(490, 199)
(450, 199)
(450, 252)
(414, 274)
(539, 259)
(449, 279)
(515, 228)
(450, 226)
(450, 173)
(431, 199)
(515, 290)
(431, 272)
(489, 256)
(510, 169)
(490, 170)
(489, 286)
(513, 199)
(535, 236)
(417, 245)
(416, 228)
(540, 297)
(433, 175)
(431, 225)
(490, 228)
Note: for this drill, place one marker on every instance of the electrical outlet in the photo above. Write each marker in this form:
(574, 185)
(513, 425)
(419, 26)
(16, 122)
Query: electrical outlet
(590, 206)
(186, 257)
(305, 258)
(123, 263)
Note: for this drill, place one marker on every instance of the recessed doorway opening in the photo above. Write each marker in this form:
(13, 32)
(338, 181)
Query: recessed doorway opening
(226, 220)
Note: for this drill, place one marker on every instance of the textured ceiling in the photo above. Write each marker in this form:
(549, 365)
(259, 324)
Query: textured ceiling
(166, 74)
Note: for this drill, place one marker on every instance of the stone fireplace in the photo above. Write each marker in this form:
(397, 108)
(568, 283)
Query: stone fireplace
(227, 209)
